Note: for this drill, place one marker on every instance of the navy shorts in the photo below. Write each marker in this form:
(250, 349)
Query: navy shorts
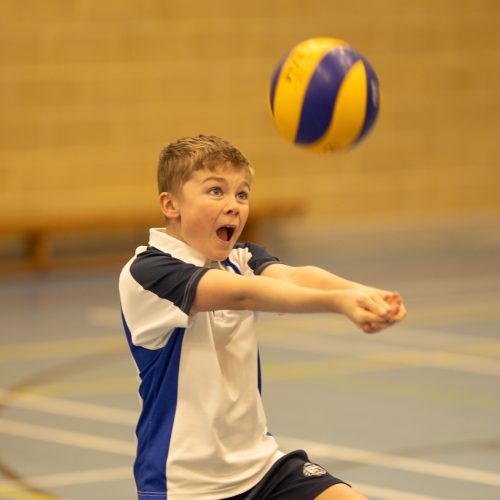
(292, 477)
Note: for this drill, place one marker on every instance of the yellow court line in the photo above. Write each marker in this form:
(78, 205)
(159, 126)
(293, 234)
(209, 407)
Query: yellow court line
(487, 349)
(490, 310)
(296, 372)
(67, 348)
(63, 348)
(377, 492)
(414, 391)
(10, 492)
(312, 326)
(125, 474)
(392, 461)
(101, 386)
(315, 369)
(72, 478)
(459, 359)
(324, 368)
(397, 337)
(78, 409)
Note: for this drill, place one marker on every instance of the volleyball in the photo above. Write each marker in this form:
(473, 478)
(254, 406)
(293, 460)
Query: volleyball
(324, 96)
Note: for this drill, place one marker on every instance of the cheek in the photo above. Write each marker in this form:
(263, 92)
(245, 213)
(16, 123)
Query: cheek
(199, 218)
(244, 213)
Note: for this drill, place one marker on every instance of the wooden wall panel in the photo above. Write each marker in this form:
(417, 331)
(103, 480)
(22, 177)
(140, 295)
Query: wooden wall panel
(91, 90)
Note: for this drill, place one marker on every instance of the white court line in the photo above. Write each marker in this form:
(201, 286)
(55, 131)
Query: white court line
(107, 317)
(457, 360)
(285, 326)
(372, 491)
(318, 450)
(125, 474)
(70, 438)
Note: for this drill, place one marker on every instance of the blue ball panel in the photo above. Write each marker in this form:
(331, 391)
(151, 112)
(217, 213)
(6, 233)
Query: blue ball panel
(319, 100)
(372, 101)
(274, 82)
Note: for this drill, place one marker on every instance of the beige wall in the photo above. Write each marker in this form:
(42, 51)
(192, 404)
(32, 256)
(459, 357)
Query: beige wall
(90, 90)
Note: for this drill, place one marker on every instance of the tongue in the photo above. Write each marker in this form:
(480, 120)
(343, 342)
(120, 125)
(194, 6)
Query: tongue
(223, 233)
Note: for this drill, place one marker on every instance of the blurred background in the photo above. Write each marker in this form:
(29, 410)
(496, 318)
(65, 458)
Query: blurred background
(90, 91)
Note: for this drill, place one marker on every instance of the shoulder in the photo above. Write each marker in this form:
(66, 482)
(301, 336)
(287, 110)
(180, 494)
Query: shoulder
(251, 257)
(163, 274)
(154, 263)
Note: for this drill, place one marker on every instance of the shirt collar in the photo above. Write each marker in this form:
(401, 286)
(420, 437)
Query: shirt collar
(159, 239)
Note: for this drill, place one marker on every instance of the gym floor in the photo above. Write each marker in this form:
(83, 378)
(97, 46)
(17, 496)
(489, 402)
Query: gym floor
(412, 413)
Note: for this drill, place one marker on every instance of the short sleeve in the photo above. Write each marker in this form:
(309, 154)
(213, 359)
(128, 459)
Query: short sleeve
(167, 277)
(156, 293)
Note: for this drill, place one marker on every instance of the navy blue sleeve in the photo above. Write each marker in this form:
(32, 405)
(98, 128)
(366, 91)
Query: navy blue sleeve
(167, 277)
(260, 257)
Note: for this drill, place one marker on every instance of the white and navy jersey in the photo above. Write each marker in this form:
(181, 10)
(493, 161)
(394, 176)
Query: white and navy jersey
(202, 432)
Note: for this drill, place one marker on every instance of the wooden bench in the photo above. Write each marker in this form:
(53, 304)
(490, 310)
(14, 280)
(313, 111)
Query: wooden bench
(36, 238)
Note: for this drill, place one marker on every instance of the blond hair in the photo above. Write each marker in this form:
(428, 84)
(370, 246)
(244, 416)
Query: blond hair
(186, 155)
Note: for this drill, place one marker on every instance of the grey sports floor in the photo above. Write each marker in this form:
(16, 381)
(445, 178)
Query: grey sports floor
(411, 413)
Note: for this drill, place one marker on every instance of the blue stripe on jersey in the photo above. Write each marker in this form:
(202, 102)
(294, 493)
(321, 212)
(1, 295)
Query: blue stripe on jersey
(234, 267)
(259, 375)
(159, 373)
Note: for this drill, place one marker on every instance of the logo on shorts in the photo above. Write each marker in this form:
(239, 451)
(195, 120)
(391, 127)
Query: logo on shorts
(310, 469)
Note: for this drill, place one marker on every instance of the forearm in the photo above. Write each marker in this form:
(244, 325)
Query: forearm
(220, 290)
(315, 277)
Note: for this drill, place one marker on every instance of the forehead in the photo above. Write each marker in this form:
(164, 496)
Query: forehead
(223, 172)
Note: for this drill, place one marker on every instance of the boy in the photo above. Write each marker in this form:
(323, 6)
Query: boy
(188, 305)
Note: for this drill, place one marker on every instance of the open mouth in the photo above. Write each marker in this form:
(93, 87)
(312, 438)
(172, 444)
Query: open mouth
(225, 233)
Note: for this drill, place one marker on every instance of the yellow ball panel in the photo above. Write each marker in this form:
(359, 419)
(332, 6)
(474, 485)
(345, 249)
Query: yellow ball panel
(349, 112)
(294, 79)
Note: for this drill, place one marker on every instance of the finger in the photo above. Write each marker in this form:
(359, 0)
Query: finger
(395, 303)
(401, 314)
(376, 305)
(371, 327)
(385, 307)
(391, 298)
(364, 316)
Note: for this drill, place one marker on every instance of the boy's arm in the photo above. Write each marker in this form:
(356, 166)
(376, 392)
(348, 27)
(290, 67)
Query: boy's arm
(315, 277)
(221, 290)
(309, 276)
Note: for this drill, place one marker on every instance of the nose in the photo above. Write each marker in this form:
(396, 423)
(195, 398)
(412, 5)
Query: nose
(232, 210)
(232, 207)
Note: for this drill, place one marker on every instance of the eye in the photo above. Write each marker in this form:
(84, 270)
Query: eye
(215, 191)
(243, 195)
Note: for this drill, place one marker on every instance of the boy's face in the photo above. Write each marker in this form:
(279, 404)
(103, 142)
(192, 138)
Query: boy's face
(211, 210)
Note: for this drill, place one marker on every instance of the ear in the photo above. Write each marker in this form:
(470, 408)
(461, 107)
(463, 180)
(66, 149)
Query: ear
(169, 205)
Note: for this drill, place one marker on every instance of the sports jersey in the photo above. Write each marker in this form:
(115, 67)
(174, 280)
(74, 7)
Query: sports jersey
(202, 432)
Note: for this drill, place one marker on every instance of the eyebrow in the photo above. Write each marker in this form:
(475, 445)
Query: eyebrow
(213, 178)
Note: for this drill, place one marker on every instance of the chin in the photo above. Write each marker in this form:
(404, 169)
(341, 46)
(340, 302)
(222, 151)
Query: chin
(220, 255)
